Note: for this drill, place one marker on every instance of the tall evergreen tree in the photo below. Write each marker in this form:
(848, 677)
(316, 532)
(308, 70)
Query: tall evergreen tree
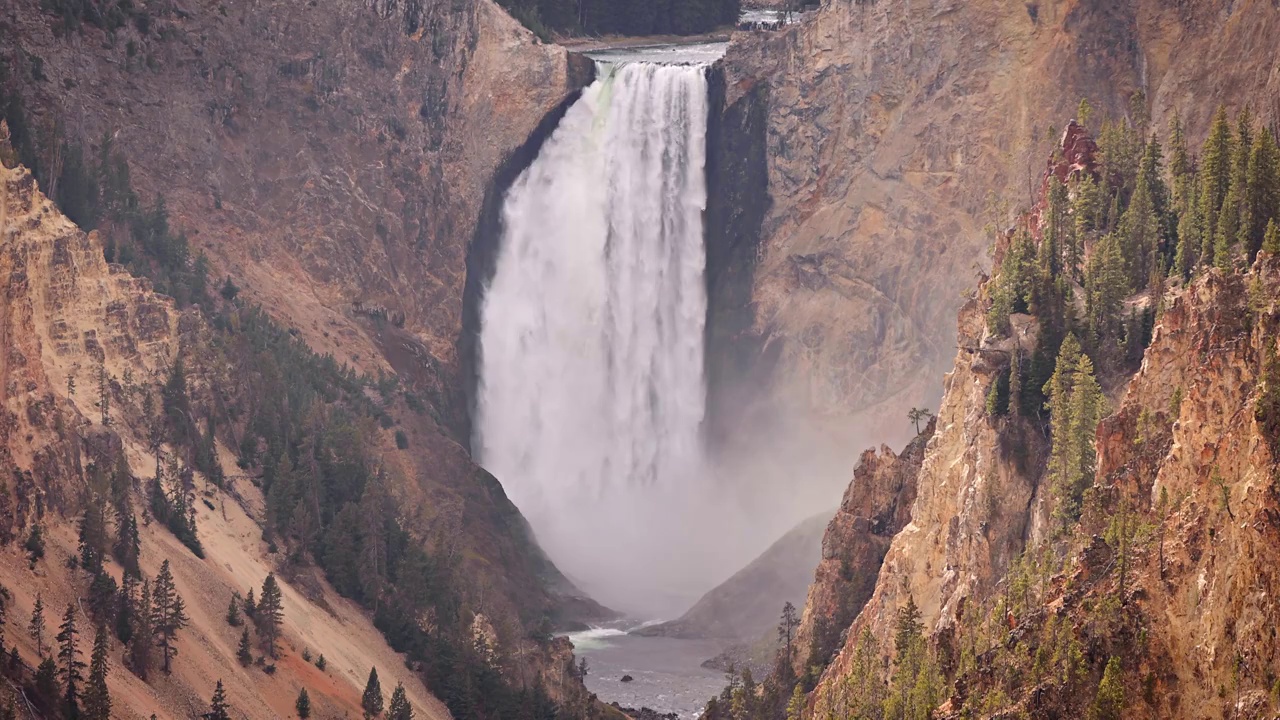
(127, 547)
(233, 611)
(1215, 179)
(5, 597)
(915, 688)
(1262, 192)
(400, 709)
(244, 652)
(93, 535)
(103, 598)
(127, 609)
(303, 704)
(1109, 702)
(270, 613)
(218, 707)
(371, 701)
(1085, 409)
(168, 615)
(1271, 239)
(143, 640)
(36, 627)
(69, 664)
(97, 697)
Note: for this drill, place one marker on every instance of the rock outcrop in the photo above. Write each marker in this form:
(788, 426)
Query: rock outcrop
(1168, 575)
(329, 157)
(891, 129)
(875, 508)
(332, 159)
(73, 331)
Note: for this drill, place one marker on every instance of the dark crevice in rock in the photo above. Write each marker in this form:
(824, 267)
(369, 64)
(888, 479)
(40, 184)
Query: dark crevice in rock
(737, 202)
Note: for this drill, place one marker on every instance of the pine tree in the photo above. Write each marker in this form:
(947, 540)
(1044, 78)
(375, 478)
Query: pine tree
(1262, 192)
(168, 615)
(1271, 239)
(303, 704)
(371, 701)
(1057, 240)
(1084, 112)
(787, 626)
(400, 709)
(93, 535)
(270, 613)
(127, 547)
(143, 640)
(97, 697)
(34, 546)
(250, 607)
(1189, 234)
(5, 597)
(1076, 405)
(795, 706)
(233, 611)
(102, 598)
(218, 707)
(1085, 410)
(909, 626)
(37, 625)
(1106, 285)
(70, 666)
(104, 394)
(1058, 392)
(47, 682)
(1109, 702)
(126, 609)
(177, 406)
(1215, 179)
(915, 688)
(1086, 205)
(244, 652)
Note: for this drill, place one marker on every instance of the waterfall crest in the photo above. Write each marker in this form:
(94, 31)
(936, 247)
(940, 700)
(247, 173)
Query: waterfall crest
(591, 391)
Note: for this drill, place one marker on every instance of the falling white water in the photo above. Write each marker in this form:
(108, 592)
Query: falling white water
(591, 390)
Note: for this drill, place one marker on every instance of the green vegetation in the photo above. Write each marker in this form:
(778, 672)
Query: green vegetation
(218, 707)
(307, 429)
(303, 704)
(371, 701)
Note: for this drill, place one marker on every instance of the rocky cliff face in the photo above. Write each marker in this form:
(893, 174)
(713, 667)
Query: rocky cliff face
(875, 508)
(1169, 573)
(331, 157)
(892, 129)
(66, 316)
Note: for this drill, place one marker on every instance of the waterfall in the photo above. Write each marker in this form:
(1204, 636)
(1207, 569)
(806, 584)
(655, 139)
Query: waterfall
(591, 390)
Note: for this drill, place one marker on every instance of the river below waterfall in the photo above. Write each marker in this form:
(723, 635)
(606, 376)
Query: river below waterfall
(667, 674)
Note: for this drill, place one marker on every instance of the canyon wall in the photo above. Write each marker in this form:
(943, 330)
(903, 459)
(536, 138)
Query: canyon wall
(331, 157)
(332, 160)
(899, 133)
(66, 316)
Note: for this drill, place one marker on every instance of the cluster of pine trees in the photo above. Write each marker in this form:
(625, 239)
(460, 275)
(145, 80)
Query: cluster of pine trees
(145, 624)
(624, 17)
(1095, 270)
(306, 428)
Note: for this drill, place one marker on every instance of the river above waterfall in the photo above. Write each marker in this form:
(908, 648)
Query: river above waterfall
(668, 54)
